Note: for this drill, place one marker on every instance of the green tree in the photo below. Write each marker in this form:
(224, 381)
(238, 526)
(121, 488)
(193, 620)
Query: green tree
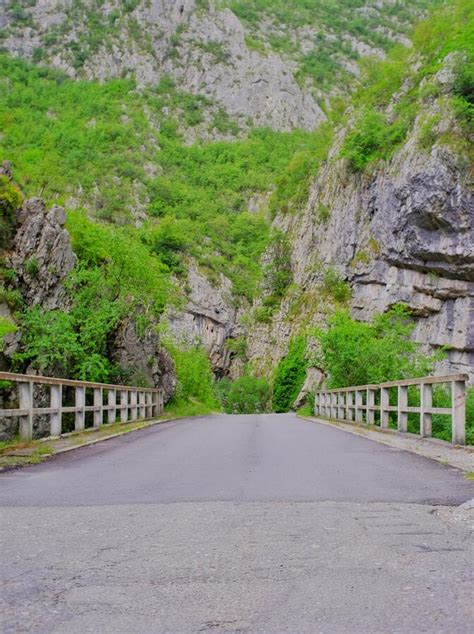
(248, 395)
(290, 375)
(10, 200)
(359, 353)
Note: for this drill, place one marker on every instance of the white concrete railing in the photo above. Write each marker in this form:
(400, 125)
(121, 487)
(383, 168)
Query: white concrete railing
(354, 403)
(135, 403)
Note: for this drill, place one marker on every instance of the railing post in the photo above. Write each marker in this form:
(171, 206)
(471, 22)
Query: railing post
(98, 406)
(56, 417)
(112, 403)
(123, 406)
(349, 405)
(402, 404)
(162, 402)
(155, 404)
(358, 406)
(316, 404)
(26, 402)
(142, 408)
(384, 405)
(370, 403)
(426, 402)
(133, 404)
(340, 405)
(333, 405)
(149, 404)
(458, 416)
(80, 415)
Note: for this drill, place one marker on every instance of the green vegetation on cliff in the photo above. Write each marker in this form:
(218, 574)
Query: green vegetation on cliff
(110, 149)
(409, 75)
(145, 196)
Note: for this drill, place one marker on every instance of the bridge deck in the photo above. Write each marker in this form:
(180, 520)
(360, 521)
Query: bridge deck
(259, 523)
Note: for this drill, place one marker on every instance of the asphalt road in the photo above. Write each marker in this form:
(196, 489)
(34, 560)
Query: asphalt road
(237, 524)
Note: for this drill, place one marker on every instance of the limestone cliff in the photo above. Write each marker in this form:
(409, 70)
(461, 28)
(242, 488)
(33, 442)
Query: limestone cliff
(253, 68)
(41, 259)
(399, 232)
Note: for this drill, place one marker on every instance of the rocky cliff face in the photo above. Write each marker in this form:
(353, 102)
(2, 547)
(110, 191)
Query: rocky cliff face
(210, 318)
(41, 257)
(253, 68)
(204, 51)
(400, 232)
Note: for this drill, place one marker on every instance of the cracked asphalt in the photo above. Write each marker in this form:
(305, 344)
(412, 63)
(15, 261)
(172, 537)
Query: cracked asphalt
(237, 524)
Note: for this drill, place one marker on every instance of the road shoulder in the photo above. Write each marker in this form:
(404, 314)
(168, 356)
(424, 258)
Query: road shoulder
(455, 456)
(23, 454)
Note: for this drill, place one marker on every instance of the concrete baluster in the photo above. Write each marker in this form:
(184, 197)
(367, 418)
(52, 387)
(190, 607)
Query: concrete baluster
(384, 405)
(333, 405)
(124, 406)
(142, 408)
(402, 404)
(458, 415)
(98, 406)
(359, 402)
(149, 404)
(26, 402)
(56, 403)
(112, 403)
(426, 402)
(340, 405)
(370, 404)
(133, 404)
(349, 405)
(80, 415)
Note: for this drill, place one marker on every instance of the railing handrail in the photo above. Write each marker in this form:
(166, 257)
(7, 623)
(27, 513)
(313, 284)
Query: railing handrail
(349, 404)
(426, 380)
(48, 380)
(134, 403)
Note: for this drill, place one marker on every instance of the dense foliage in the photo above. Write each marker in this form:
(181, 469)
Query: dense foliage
(359, 353)
(195, 388)
(10, 200)
(410, 74)
(119, 151)
(246, 395)
(324, 63)
(290, 375)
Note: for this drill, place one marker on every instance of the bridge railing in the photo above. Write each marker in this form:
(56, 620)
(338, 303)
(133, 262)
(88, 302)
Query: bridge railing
(110, 402)
(363, 403)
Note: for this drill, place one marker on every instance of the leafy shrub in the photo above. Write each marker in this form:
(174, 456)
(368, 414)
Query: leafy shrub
(73, 344)
(10, 200)
(195, 380)
(277, 275)
(248, 395)
(129, 269)
(372, 138)
(290, 375)
(335, 286)
(6, 327)
(359, 353)
(464, 91)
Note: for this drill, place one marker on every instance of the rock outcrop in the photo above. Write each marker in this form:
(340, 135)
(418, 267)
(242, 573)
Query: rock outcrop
(203, 50)
(142, 356)
(209, 318)
(42, 255)
(402, 232)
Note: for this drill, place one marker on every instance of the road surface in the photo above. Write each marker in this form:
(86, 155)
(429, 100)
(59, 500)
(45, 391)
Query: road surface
(236, 524)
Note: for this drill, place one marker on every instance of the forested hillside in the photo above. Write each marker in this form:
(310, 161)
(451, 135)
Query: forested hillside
(235, 174)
